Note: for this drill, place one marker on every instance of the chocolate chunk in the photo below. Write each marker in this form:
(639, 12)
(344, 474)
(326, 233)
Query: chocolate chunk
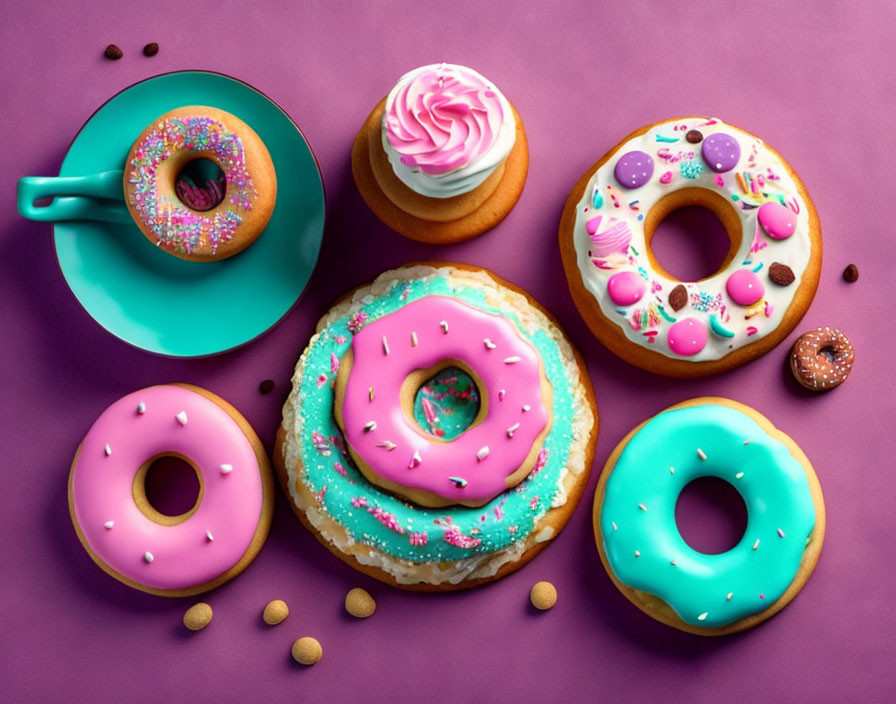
(694, 136)
(851, 273)
(113, 52)
(266, 386)
(678, 297)
(781, 274)
(151, 49)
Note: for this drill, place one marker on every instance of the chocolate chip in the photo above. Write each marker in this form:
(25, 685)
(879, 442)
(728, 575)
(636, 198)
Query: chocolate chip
(266, 386)
(851, 273)
(113, 52)
(678, 297)
(781, 274)
(694, 136)
(151, 49)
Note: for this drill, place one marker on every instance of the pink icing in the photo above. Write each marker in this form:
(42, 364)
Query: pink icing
(182, 555)
(443, 120)
(626, 288)
(511, 366)
(687, 337)
(614, 237)
(744, 287)
(777, 220)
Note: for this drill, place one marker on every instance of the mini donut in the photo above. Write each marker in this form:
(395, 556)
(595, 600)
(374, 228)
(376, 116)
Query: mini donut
(200, 222)
(443, 158)
(171, 555)
(649, 561)
(436, 511)
(646, 316)
(814, 369)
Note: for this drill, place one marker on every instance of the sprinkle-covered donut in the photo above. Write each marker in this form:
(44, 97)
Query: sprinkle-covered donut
(648, 317)
(639, 542)
(132, 541)
(822, 359)
(200, 221)
(437, 505)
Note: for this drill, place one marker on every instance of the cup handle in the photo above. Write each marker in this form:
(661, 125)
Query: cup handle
(93, 197)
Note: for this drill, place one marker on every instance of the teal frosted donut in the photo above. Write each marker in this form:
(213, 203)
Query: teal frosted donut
(639, 542)
(394, 539)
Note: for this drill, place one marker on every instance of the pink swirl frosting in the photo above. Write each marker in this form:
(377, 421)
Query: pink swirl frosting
(445, 119)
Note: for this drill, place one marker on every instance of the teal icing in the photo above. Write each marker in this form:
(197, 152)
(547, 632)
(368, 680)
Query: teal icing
(771, 481)
(388, 523)
(454, 399)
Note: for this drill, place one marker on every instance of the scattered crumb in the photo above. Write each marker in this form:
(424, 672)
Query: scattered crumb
(851, 273)
(151, 49)
(198, 616)
(306, 651)
(266, 386)
(275, 612)
(543, 595)
(359, 603)
(113, 52)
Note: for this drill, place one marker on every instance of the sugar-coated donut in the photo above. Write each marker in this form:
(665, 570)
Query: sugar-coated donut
(639, 542)
(519, 467)
(443, 157)
(200, 222)
(171, 555)
(813, 368)
(648, 317)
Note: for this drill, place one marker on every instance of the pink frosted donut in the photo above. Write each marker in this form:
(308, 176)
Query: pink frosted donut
(171, 555)
(386, 364)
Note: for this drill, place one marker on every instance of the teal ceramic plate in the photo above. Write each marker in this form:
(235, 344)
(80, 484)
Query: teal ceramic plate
(178, 308)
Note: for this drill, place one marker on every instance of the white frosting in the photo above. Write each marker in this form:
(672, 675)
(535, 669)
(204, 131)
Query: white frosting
(755, 159)
(466, 178)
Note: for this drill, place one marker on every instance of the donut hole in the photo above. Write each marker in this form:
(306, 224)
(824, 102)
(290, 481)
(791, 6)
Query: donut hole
(447, 402)
(828, 352)
(711, 515)
(692, 234)
(168, 489)
(200, 184)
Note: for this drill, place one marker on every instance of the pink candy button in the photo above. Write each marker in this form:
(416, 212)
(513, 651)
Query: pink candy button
(687, 337)
(777, 220)
(626, 288)
(744, 287)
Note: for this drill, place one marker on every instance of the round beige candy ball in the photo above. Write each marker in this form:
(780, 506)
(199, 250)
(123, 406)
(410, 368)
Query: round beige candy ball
(306, 651)
(359, 603)
(543, 595)
(275, 612)
(198, 616)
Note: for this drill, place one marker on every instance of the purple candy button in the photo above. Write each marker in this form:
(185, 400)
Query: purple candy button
(634, 169)
(721, 152)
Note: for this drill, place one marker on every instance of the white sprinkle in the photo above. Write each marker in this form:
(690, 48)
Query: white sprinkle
(738, 475)
(702, 617)
(141, 408)
(444, 326)
(109, 524)
(527, 408)
(385, 346)
(511, 360)
(182, 417)
(416, 460)
(780, 532)
(226, 468)
(148, 556)
(756, 544)
(107, 450)
(482, 453)
(209, 536)
(637, 553)
(501, 393)
(413, 339)
(512, 429)
(701, 454)
(615, 527)
(386, 444)
(369, 425)
(671, 470)
(489, 344)
(642, 507)
(730, 594)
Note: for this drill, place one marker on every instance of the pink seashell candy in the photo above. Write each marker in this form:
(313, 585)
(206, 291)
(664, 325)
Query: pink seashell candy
(614, 237)
(777, 220)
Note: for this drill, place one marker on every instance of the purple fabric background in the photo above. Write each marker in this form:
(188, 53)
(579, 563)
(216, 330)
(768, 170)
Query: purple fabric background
(817, 82)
